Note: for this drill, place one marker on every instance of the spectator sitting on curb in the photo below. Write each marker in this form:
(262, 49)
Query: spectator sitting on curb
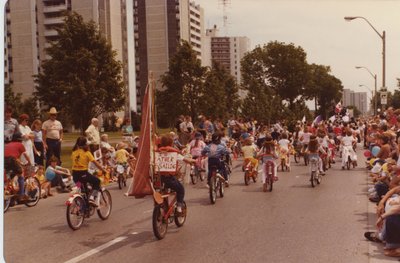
(54, 174)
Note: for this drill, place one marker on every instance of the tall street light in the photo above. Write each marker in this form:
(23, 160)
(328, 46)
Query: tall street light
(372, 92)
(376, 94)
(383, 37)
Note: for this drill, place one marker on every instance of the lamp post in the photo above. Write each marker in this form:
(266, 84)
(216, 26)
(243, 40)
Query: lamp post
(376, 94)
(372, 92)
(383, 37)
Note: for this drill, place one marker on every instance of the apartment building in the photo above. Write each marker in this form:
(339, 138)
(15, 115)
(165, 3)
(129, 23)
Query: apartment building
(30, 26)
(356, 99)
(160, 25)
(228, 51)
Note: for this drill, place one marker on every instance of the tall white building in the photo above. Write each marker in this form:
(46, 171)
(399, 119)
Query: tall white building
(356, 99)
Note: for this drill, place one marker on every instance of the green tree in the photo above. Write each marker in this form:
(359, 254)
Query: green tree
(395, 99)
(325, 88)
(82, 77)
(286, 70)
(220, 98)
(183, 86)
(19, 106)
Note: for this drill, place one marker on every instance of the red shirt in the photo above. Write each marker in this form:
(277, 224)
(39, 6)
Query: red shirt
(14, 149)
(337, 131)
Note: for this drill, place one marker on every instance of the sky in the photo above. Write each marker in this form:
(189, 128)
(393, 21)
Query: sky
(318, 26)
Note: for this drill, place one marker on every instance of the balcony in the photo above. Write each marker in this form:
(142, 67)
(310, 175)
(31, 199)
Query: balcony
(54, 21)
(54, 9)
(50, 33)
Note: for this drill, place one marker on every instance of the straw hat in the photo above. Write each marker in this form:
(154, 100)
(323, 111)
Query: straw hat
(53, 110)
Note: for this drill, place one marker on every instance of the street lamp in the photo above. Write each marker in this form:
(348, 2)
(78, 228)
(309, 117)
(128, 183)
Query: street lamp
(372, 92)
(376, 97)
(383, 37)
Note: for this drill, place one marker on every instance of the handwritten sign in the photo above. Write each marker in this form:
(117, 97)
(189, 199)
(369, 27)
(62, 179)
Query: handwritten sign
(166, 161)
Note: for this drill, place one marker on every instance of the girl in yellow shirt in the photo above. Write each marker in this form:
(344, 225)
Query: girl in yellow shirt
(81, 157)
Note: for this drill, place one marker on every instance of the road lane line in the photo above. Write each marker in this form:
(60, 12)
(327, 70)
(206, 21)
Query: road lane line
(148, 211)
(96, 250)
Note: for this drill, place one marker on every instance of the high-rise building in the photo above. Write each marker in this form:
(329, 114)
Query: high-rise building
(159, 27)
(30, 26)
(228, 51)
(356, 99)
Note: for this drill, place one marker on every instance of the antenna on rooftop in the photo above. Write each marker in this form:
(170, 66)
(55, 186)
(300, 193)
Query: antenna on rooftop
(225, 4)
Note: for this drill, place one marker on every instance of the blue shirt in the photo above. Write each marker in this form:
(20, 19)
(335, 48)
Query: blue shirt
(50, 173)
(214, 151)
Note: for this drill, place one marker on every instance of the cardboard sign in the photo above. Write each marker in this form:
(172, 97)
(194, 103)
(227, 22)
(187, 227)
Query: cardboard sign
(166, 161)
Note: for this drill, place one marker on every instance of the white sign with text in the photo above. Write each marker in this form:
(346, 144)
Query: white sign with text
(166, 161)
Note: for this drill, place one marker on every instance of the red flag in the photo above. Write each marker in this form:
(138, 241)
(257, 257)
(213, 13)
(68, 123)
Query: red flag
(140, 185)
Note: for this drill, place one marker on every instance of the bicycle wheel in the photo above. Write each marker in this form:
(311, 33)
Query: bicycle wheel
(160, 225)
(104, 210)
(246, 177)
(32, 190)
(193, 176)
(180, 218)
(202, 175)
(312, 179)
(76, 213)
(7, 202)
(221, 186)
(319, 178)
(213, 190)
(348, 163)
(270, 180)
(255, 175)
(120, 181)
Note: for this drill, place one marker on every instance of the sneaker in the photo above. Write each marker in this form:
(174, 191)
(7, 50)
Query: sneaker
(276, 178)
(321, 172)
(178, 209)
(342, 167)
(226, 183)
(98, 200)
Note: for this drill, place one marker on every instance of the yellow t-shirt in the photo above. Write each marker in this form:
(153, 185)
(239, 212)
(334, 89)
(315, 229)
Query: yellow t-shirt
(81, 160)
(249, 151)
(121, 156)
(41, 178)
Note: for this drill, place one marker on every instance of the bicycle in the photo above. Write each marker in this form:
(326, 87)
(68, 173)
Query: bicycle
(249, 173)
(196, 172)
(165, 211)
(270, 175)
(79, 207)
(314, 168)
(217, 184)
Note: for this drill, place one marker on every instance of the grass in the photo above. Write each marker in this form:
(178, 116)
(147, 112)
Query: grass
(70, 137)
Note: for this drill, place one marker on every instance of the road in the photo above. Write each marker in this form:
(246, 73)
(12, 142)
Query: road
(293, 223)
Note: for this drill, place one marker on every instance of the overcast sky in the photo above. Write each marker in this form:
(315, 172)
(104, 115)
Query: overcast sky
(318, 26)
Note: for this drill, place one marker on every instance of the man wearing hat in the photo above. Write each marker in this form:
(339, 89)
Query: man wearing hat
(52, 136)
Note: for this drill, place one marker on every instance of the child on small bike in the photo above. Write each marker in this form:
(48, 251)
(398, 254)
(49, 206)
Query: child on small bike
(81, 157)
(314, 149)
(249, 151)
(268, 153)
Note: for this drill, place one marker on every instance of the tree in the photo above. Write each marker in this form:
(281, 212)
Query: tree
(286, 70)
(82, 77)
(183, 86)
(220, 98)
(19, 106)
(325, 88)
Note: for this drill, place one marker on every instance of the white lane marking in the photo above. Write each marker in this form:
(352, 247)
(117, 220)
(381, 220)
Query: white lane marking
(96, 250)
(134, 233)
(148, 211)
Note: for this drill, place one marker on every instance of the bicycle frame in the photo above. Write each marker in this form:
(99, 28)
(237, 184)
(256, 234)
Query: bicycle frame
(314, 164)
(171, 205)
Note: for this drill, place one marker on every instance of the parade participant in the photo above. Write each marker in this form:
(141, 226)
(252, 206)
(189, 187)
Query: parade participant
(12, 154)
(169, 179)
(52, 136)
(314, 150)
(81, 157)
(249, 153)
(215, 151)
(284, 148)
(197, 145)
(268, 152)
(348, 141)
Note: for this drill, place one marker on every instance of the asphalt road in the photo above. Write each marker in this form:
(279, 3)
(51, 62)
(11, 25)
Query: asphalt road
(293, 223)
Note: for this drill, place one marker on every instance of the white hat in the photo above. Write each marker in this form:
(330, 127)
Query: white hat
(53, 110)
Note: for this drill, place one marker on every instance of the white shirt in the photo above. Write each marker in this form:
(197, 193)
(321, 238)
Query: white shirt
(348, 140)
(284, 143)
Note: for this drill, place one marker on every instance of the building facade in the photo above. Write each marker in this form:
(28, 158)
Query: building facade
(30, 26)
(356, 99)
(228, 51)
(160, 25)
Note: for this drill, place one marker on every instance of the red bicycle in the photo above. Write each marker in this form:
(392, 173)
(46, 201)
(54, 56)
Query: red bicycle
(269, 175)
(165, 212)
